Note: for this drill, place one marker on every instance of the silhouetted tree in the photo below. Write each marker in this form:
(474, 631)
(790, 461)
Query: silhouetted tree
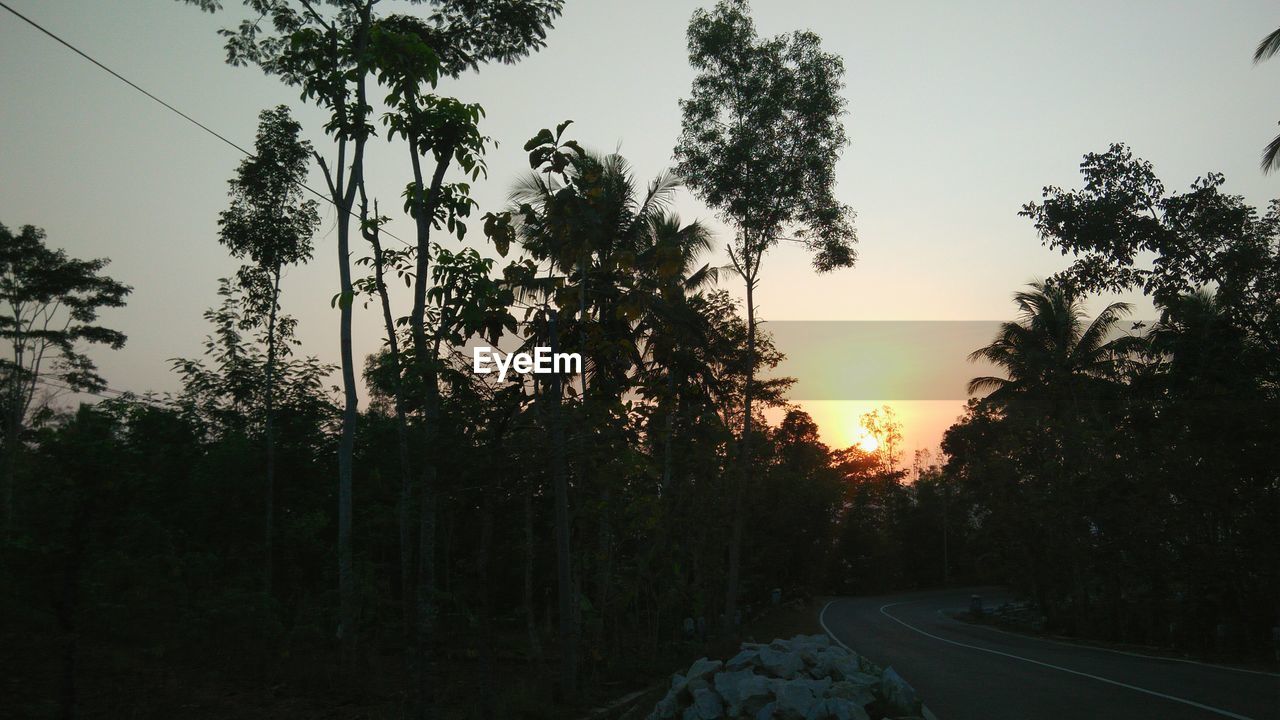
(270, 223)
(411, 55)
(667, 257)
(1268, 47)
(761, 135)
(50, 307)
(1050, 349)
(1060, 370)
(1127, 233)
(324, 51)
(546, 223)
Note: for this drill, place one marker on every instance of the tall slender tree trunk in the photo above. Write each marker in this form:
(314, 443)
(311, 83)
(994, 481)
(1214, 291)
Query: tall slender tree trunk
(346, 445)
(530, 618)
(12, 446)
(744, 457)
(669, 431)
(346, 450)
(269, 528)
(405, 509)
(342, 188)
(564, 580)
(425, 360)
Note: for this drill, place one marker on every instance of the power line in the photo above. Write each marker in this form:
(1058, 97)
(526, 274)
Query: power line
(166, 105)
(122, 78)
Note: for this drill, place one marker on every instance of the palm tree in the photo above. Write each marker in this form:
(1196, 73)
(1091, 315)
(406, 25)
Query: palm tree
(1186, 321)
(1051, 347)
(667, 254)
(671, 326)
(621, 254)
(1057, 363)
(591, 225)
(1197, 348)
(1269, 46)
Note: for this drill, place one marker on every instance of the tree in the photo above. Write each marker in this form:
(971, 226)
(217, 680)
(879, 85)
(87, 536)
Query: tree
(1201, 238)
(1127, 483)
(1049, 348)
(1062, 375)
(50, 310)
(796, 506)
(623, 264)
(667, 259)
(546, 223)
(82, 459)
(390, 366)
(224, 394)
(270, 223)
(760, 138)
(1269, 46)
(411, 55)
(1205, 413)
(325, 53)
(882, 424)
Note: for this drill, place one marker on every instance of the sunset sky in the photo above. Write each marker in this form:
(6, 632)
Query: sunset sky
(949, 139)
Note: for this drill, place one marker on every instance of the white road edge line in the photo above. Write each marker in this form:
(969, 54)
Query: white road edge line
(1065, 643)
(928, 714)
(1184, 701)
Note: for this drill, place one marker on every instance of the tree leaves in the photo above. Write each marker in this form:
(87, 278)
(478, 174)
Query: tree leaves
(1202, 237)
(499, 230)
(761, 134)
(51, 303)
(550, 152)
(543, 137)
(342, 300)
(269, 219)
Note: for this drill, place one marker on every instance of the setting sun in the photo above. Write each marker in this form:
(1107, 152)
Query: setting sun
(866, 442)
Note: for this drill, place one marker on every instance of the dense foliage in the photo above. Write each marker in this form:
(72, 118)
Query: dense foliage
(1125, 477)
(139, 545)
(517, 547)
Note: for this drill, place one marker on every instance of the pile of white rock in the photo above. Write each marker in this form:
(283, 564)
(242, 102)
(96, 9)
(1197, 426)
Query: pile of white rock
(804, 678)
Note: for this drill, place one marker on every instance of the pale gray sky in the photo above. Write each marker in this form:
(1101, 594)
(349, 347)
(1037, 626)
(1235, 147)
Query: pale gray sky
(959, 113)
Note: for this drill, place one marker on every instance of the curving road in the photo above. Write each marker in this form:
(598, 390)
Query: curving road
(971, 672)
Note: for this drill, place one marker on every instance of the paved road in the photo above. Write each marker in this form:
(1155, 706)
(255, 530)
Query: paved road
(970, 672)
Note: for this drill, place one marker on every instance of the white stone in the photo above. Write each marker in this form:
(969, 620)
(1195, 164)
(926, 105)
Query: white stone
(898, 695)
(707, 705)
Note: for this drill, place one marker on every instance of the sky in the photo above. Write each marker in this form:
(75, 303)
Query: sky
(959, 113)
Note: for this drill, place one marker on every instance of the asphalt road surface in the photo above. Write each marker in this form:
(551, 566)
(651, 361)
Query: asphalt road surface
(971, 672)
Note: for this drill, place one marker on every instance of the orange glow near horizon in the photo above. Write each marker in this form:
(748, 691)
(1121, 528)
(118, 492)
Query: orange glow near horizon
(867, 442)
(840, 422)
